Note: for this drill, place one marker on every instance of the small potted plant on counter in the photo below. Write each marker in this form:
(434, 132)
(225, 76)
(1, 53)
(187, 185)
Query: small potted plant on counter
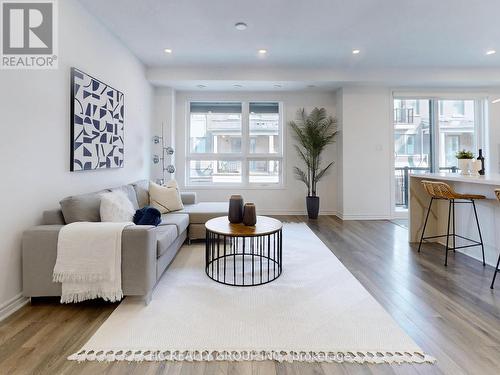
(465, 162)
(313, 132)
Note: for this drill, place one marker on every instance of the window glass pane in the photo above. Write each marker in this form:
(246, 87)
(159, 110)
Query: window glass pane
(215, 171)
(264, 128)
(457, 131)
(412, 143)
(264, 171)
(412, 133)
(215, 128)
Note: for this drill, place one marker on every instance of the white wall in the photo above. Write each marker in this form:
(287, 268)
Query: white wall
(493, 132)
(365, 138)
(291, 198)
(163, 117)
(35, 140)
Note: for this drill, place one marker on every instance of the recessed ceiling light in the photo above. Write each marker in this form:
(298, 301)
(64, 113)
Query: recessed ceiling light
(201, 86)
(237, 86)
(356, 51)
(495, 101)
(262, 51)
(278, 86)
(167, 50)
(491, 52)
(240, 26)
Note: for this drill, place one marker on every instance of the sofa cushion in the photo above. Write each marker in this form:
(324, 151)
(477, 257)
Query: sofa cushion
(165, 236)
(165, 198)
(53, 217)
(130, 193)
(181, 221)
(116, 207)
(84, 207)
(141, 188)
(201, 212)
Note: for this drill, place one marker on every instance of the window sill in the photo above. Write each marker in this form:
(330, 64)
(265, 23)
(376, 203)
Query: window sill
(234, 187)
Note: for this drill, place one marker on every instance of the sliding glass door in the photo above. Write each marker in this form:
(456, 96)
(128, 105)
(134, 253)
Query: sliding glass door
(428, 132)
(412, 143)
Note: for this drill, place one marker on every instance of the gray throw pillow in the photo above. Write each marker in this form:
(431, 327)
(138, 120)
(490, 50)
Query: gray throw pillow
(142, 192)
(84, 207)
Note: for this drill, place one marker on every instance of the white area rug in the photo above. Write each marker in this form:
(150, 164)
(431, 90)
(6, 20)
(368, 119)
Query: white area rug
(315, 311)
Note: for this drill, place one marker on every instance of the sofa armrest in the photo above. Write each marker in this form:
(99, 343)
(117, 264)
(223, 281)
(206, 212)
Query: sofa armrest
(138, 259)
(188, 197)
(39, 253)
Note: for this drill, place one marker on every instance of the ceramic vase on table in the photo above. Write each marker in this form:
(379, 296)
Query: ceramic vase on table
(235, 214)
(249, 214)
(465, 166)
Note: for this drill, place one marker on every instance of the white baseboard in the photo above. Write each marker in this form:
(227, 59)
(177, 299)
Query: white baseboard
(400, 215)
(293, 212)
(362, 217)
(11, 306)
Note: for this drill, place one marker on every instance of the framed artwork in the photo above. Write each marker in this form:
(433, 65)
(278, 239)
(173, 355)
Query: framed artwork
(97, 124)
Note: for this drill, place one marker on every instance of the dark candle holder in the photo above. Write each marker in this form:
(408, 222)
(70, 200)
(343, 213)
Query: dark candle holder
(249, 214)
(235, 214)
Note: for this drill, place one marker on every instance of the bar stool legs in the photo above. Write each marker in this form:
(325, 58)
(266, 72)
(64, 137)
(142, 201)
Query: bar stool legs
(425, 224)
(454, 235)
(448, 234)
(495, 274)
(479, 230)
(451, 230)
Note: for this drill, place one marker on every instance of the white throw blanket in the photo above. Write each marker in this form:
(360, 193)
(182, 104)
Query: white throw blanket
(89, 261)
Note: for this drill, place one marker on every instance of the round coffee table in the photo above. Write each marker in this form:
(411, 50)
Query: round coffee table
(241, 255)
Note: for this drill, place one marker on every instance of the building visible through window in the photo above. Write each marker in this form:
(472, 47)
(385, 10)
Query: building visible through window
(223, 151)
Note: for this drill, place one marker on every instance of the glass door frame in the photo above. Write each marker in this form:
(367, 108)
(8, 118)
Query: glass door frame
(480, 122)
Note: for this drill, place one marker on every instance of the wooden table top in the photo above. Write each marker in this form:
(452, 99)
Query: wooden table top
(265, 225)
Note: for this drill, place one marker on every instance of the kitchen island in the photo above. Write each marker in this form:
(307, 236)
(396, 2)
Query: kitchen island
(488, 212)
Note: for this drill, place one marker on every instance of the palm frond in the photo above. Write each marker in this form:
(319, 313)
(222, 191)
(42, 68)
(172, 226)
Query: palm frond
(313, 133)
(302, 176)
(322, 172)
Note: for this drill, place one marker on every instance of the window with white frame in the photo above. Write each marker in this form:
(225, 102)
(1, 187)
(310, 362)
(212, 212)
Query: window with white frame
(428, 132)
(234, 143)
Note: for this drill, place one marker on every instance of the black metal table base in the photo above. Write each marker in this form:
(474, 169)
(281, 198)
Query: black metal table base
(243, 261)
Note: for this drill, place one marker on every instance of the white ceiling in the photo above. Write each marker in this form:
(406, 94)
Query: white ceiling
(306, 33)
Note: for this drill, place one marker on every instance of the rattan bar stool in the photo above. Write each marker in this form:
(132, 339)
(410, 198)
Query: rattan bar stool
(497, 193)
(442, 191)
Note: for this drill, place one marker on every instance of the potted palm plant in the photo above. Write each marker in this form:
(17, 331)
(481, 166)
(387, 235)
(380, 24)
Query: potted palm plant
(313, 132)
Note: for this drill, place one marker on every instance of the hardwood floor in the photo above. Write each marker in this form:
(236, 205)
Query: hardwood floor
(450, 312)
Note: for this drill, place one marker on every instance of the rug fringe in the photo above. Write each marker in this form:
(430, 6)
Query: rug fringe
(280, 356)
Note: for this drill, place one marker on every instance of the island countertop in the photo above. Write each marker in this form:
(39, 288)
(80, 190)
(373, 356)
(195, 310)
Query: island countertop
(488, 211)
(488, 179)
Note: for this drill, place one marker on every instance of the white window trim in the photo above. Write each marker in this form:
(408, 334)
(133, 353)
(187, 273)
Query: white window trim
(481, 117)
(245, 156)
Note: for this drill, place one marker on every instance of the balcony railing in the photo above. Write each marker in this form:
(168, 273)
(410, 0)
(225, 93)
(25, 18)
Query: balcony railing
(403, 115)
(402, 175)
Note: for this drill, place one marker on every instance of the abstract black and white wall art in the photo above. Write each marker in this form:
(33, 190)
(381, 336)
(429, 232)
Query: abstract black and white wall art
(96, 124)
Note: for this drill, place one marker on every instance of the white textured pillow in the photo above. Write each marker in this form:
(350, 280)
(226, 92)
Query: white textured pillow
(165, 198)
(116, 207)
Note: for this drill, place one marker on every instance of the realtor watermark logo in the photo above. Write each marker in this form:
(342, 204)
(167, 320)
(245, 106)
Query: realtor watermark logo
(29, 34)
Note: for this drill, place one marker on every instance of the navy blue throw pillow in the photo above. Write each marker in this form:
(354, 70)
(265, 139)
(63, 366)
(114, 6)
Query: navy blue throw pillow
(147, 216)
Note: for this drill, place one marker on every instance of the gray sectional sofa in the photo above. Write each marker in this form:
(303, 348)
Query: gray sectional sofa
(146, 250)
